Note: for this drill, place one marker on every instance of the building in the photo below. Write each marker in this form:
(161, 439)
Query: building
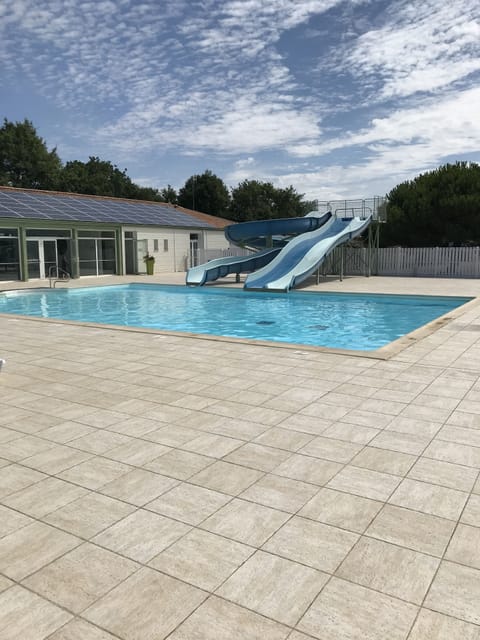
(43, 231)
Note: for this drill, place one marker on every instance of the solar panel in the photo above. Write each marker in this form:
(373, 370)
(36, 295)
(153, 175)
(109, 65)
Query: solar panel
(42, 206)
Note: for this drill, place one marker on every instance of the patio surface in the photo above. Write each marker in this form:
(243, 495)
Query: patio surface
(159, 486)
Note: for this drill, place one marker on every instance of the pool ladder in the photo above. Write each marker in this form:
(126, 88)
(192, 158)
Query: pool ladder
(56, 274)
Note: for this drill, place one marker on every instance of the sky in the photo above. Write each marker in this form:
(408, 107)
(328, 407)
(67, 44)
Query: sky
(340, 99)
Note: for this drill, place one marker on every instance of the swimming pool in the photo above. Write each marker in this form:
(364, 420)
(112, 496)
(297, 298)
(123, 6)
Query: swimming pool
(336, 320)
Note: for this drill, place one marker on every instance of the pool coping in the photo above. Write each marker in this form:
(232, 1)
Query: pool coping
(382, 353)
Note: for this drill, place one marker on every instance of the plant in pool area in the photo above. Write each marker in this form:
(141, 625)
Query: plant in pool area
(150, 262)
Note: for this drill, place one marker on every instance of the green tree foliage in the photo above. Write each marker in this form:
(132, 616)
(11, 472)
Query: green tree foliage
(25, 160)
(168, 194)
(255, 200)
(97, 177)
(206, 193)
(438, 208)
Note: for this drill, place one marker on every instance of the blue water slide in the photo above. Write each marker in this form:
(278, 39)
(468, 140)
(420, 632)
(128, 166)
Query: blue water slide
(269, 235)
(222, 267)
(302, 255)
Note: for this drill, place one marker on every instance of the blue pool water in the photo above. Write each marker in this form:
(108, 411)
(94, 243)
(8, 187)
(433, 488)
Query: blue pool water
(345, 321)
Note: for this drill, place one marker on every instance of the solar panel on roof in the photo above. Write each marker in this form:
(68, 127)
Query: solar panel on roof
(51, 207)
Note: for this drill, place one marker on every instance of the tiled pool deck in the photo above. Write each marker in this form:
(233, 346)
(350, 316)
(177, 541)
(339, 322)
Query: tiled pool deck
(158, 486)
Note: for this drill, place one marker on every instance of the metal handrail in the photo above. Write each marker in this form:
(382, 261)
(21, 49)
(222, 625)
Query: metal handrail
(53, 279)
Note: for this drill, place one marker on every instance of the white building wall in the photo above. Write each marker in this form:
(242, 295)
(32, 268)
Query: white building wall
(171, 247)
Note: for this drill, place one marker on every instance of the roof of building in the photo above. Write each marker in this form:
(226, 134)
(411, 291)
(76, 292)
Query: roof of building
(34, 204)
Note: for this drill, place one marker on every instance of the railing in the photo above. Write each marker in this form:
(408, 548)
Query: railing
(56, 274)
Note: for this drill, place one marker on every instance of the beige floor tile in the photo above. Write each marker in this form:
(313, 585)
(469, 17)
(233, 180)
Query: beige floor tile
(284, 439)
(385, 461)
(350, 433)
(100, 442)
(226, 477)
(136, 427)
(11, 521)
(66, 431)
(43, 497)
(138, 487)
(345, 611)
(342, 510)
(212, 445)
(464, 547)
(25, 615)
(370, 419)
(189, 503)
(275, 587)
(446, 474)
(435, 626)
(56, 459)
(453, 452)
(429, 498)
(80, 630)
(412, 529)
(237, 428)
(476, 488)
(471, 513)
(5, 584)
(331, 449)
(306, 424)
(380, 405)
(131, 610)
(15, 477)
(202, 559)
(402, 442)
(393, 570)
(364, 482)
(307, 469)
(31, 548)
(179, 464)
(280, 493)
(312, 543)
(95, 472)
(456, 592)
(217, 619)
(22, 448)
(460, 435)
(141, 535)
(137, 453)
(79, 578)
(245, 522)
(257, 456)
(170, 435)
(89, 515)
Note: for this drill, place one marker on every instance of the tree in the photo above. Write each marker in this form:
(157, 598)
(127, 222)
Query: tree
(437, 208)
(206, 193)
(254, 200)
(168, 194)
(97, 177)
(25, 160)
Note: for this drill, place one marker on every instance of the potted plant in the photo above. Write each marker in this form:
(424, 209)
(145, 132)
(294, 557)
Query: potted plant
(150, 263)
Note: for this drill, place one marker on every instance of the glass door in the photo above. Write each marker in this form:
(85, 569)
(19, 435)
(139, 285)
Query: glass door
(41, 255)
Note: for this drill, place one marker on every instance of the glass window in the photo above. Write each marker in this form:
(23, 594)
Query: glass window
(165, 245)
(129, 234)
(8, 233)
(95, 234)
(9, 258)
(155, 245)
(49, 233)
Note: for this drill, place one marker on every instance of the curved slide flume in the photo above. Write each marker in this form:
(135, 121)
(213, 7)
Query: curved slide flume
(302, 255)
(269, 235)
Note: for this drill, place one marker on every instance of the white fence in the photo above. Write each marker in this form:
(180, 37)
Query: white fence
(441, 262)
(433, 262)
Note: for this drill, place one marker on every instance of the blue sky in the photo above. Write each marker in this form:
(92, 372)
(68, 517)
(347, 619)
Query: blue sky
(338, 99)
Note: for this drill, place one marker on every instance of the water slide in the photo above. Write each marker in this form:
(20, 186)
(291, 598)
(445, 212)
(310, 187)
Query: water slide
(270, 236)
(304, 254)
